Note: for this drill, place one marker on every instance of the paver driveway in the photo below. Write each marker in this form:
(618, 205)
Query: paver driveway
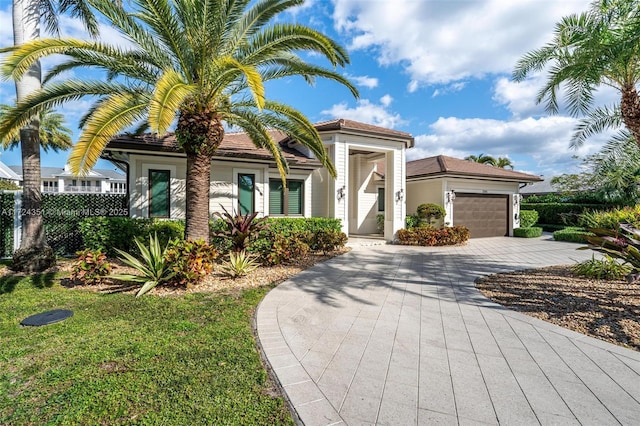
(399, 335)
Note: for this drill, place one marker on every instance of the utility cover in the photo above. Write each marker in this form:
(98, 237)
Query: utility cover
(48, 317)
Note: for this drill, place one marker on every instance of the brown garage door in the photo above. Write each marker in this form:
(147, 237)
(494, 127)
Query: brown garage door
(486, 215)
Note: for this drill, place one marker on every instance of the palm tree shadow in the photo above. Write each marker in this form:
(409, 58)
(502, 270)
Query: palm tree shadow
(44, 280)
(8, 283)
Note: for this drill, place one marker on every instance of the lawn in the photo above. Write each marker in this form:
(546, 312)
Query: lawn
(120, 360)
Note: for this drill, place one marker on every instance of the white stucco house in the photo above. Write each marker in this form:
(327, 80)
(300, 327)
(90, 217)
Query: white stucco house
(245, 178)
(61, 180)
(373, 178)
(483, 198)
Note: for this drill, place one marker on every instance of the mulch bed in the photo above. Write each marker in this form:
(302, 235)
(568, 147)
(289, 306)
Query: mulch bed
(217, 281)
(606, 310)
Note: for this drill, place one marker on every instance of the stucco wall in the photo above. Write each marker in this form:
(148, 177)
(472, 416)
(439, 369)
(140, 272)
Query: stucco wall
(426, 191)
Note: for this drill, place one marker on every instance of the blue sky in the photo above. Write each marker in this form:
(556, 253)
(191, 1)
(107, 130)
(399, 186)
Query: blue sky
(437, 69)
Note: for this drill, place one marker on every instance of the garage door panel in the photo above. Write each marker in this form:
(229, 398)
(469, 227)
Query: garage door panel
(486, 215)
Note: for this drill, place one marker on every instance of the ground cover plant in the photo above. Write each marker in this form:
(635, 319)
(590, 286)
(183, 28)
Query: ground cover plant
(125, 360)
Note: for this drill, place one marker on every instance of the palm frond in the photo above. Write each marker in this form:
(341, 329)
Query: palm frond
(597, 121)
(170, 92)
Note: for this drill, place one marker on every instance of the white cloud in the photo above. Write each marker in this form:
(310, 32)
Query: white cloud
(364, 80)
(367, 112)
(544, 141)
(386, 100)
(442, 42)
(455, 87)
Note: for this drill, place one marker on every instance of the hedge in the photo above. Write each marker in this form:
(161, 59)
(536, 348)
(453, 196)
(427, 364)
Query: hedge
(559, 213)
(572, 234)
(530, 232)
(528, 218)
(427, 236)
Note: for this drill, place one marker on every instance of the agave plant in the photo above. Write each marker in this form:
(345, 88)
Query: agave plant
(240, 228)
(152, 266)
(239, 264)
(620, 243)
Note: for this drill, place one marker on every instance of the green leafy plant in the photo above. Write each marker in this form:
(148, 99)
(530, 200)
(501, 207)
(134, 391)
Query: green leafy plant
(430, 212)
(152, 265)
(572, 234)
(528, 218)
(90, 267)
(425, 236)
(328, 240)
(531, 232)
(239, 264)
(411, 221)
(287, 248)
(621, 243)
(191, 261)
(606, 268)
(240, 229)
(380, 223)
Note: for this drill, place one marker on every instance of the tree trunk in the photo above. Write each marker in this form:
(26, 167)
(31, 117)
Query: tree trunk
(33, 254)
(197, 202)
(630, 108)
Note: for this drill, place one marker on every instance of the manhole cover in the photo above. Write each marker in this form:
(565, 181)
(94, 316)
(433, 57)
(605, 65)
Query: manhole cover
(48, 317)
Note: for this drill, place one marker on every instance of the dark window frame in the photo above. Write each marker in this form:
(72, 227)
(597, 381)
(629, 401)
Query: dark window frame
(168, 174)
(285, 198)
(253, 193)
(381, 200)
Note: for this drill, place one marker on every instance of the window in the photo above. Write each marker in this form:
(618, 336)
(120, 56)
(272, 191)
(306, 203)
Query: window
(159, 200)
(380, 199)
(50, 186)
(246, 193)
(286, 202)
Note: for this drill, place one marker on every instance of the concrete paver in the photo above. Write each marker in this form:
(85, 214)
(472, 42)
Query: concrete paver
(400, 335)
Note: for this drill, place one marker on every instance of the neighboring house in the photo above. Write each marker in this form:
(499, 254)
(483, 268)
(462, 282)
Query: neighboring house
(483, 198)
(61, 180)
(245, 179)
(7, 174)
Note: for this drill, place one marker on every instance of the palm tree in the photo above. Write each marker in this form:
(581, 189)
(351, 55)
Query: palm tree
(599, 47)
(204, 61)
(34, 255)
(483, 159)
(52, 133)
(504, 163)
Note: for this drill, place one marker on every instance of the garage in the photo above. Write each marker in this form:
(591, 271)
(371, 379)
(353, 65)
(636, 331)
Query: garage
(486, 215)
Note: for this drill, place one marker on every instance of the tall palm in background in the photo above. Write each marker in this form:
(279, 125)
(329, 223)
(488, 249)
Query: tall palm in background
(599, 47)
(482, 159)
(504, 163)
(27, 18)
(202, 61)
(52, 132)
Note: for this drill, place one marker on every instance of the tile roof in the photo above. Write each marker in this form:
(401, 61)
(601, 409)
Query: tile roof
(441, 165)
(344, 124)
(234, 145)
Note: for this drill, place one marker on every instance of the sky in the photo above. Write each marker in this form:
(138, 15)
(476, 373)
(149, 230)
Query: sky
(438, 69)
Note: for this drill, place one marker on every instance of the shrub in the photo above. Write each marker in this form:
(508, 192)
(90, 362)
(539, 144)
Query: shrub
(430, 212)
(610, 218)
(528, 218)
(531, 232)
(191, 261)
(411, 221)
(286, 248)
(328, 240)
(167, 230)
(559, 213)
(240, 229)
(90, 267)
(572, 234)
(239, 264)
(621, 243)
(152, 265)
(434, 237)
(380, 223)
(111, 233)
(606, 268)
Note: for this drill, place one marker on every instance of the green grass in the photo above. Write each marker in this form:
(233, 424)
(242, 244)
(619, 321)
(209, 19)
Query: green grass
(121, 360)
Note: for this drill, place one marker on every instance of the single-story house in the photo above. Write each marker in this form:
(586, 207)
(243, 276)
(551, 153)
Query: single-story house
(484, 198)
(245, 178)
(373, 179)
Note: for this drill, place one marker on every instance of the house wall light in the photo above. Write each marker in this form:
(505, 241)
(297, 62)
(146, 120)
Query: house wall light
(341, 193)
(400, 195)
(451, 195)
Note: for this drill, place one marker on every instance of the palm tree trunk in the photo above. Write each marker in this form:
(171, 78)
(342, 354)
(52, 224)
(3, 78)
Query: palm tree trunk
(33, 254)
(197, 211)
(630, 108)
